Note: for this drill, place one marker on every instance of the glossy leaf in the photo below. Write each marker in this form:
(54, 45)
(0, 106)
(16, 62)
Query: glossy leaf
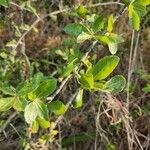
(104, 67)
(79, 99)
(57, 107)
(74, 29)
(116, 84)
(6, 103)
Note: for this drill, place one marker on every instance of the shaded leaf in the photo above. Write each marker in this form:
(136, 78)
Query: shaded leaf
(98, 23)
(83, 37)
(74, 29)
(87, 80)
(57, 107)
(116, 84)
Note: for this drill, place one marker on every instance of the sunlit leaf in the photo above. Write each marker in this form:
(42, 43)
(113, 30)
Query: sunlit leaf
(104, 67)
(6, 103)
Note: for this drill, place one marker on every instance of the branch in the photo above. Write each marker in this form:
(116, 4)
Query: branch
(39, 19)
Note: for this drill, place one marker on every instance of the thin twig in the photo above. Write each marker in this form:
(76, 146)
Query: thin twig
(129, 70)
(8, 121)
(56, 13)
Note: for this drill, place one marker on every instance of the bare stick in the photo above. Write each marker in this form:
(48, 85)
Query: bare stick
(7, 122)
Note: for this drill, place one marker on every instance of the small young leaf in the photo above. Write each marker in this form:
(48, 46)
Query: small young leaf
(110, 23)
(87, 80)
(57, 107)
(7, 89)
(43, 123)
(68, 69)
(135, 21)
(31, 112)
(35, 126)
(83, 37)
(134, 18)
(81, 11)
(74, 29)
(98, 24)
(140, 9)
(79, 99)
(116, 84)
(113, 47)
(103, 39)
(6, 103)
(104, 67)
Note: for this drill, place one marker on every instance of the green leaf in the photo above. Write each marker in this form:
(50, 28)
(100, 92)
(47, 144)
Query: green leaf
(103, 39)
(35, 126)
(116, 84)
(31, 112)
(87, 81)
(20, 104)
(147, 88)
(104, 67)
(74, 29)
(42, 109)
(110, 23)
(113, 47)
(140, 9)
(46, 88)
(57, 107)
(6, 103)
(7, 89)
(134, 18)
(79, 99)
(4, 2)
(43, 123)
(81, 11)
(25, 88)
(68, 69)
(143, 2)
(135, 21)
(83, 37)
(98, 23)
